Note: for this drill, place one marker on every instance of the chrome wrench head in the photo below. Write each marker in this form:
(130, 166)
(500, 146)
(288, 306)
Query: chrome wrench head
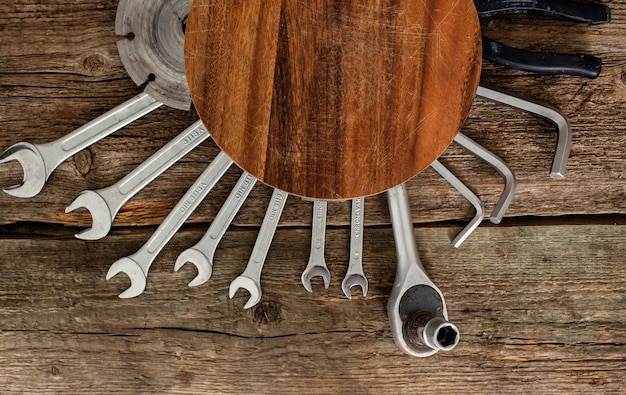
(353, 280)
(34, 168)
(100, 214)
(315, 271)
(134, 271)
(250, 285)
(200, 261)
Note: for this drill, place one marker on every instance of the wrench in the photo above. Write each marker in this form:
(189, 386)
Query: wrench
(509, 178)
(554, 116)
(136, 266)
(40, 160)
(104, 204)
(469, 195)
(201, 254)
(355, 275)
(317, 263)
(250, 279)
(416, 307)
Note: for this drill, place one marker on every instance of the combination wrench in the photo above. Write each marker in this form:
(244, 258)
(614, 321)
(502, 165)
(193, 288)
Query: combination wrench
(40, 160)
(416, 308)
(355, 275)
(250, 279)
(317, 263)
(202, 253)
(136, 266)
(105, 203)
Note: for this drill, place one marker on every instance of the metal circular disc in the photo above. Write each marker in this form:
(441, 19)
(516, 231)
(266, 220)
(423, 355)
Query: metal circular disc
(153, 47)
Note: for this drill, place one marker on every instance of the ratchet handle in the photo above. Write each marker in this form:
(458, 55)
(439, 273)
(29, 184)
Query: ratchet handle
(593, 14)
(541, 62)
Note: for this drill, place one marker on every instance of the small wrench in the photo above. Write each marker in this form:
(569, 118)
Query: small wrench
(469, 195)
(554, 116)
(105, 203)
(355, 275)
(250, 279)
(40, 160)
(136, 266)
(202, 253)
(416, 307)
(509, 178)
(317, 263)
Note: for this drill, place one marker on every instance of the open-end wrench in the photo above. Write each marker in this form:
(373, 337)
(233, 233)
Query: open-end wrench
(40, 160)
(469, 195)
(250, 279)
(136, 266)
(355, 275)
(201, 254)
(509, 178)
(554, 116)
(317, 263)
(104, 204)
(416, 307)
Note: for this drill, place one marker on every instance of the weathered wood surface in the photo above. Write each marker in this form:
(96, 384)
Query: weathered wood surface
(60, 69)
(540, 307)
(550, 318)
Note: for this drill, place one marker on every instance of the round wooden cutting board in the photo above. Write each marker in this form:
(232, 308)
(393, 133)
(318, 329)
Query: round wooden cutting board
(333, 99)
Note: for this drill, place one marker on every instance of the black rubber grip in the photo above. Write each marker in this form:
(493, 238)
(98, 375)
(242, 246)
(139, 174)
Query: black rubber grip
(541, 62)
(593, 14)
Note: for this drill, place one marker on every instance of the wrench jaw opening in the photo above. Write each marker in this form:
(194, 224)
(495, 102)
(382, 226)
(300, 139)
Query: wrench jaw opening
(134, 272)
(100, 213)
(200, 261)
(354, 280)
(33, 166)
(315, 271)
(249, 285)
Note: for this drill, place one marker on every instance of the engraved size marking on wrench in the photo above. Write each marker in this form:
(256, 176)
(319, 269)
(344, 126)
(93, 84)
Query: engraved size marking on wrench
(317, 264)
(355, 275)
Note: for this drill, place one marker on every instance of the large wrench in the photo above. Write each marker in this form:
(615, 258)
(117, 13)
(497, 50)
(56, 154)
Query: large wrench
(355, 275)
(416, 307)
(136, 266)
(202, 253)
(40, 160)
(317, 263)
(469, 195)
(105, 203)
(554, 116)
(250, 279)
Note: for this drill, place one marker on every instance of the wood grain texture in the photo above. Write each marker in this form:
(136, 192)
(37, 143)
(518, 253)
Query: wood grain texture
(550, 318)
(333, 100)
(541, 308)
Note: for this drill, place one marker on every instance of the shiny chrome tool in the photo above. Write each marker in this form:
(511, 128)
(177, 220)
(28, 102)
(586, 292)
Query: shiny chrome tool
(136, 266)
(355, 275)
(152, 53)
(202, 253)
(554, 116)
(105, 203)
(317, 264)
(509, 178)
(250, 279)
(416, 307)
(469, 195)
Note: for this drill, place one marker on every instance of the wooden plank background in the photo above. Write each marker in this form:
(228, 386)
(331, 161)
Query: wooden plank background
(539, 299)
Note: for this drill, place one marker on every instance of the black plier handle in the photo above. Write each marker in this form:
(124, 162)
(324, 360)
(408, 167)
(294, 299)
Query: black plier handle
(593, 14)
(543, 62)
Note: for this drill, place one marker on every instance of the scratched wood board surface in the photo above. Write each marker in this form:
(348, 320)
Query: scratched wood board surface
(539, 302)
